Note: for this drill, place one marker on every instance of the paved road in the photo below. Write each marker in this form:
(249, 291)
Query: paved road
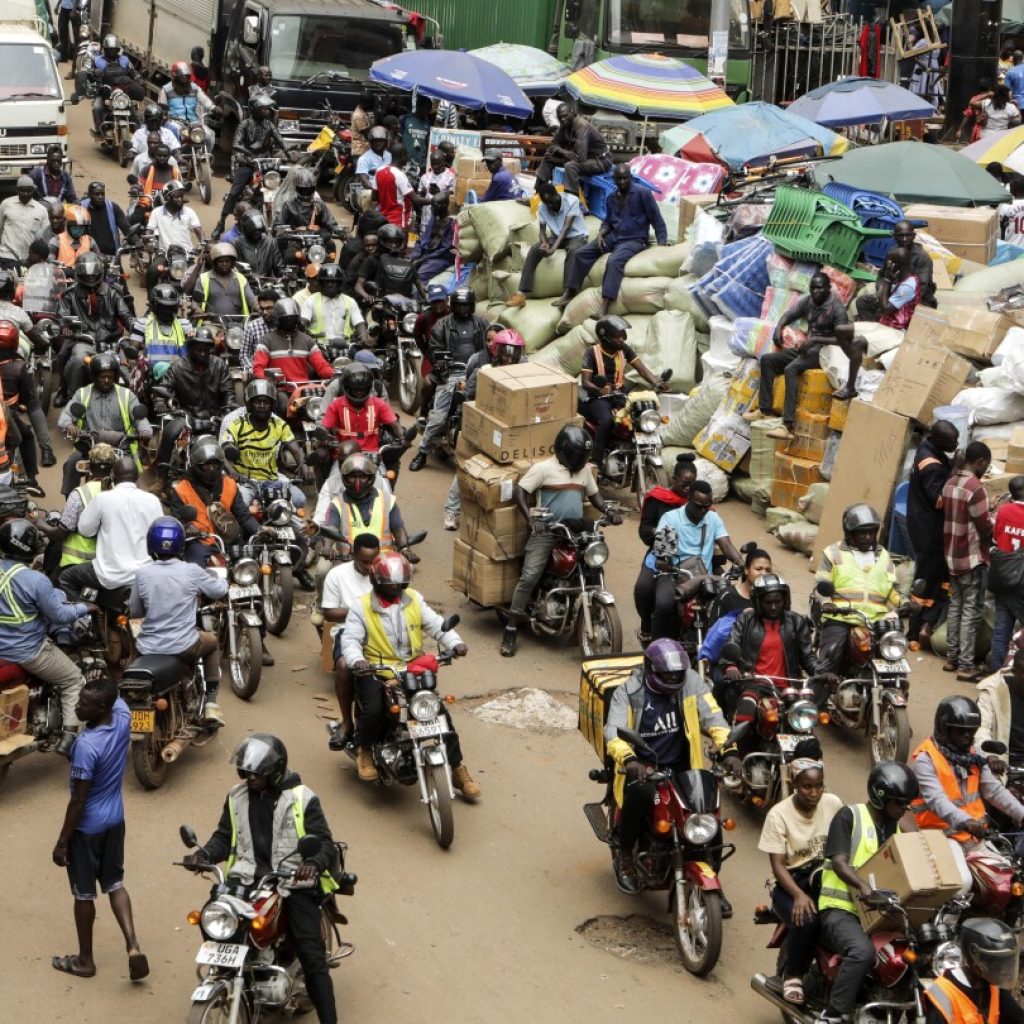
(484, 932)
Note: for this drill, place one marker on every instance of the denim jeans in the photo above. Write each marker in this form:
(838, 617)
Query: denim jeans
(966, 600)
(439, 414)
(453, 503)
(1002, 634)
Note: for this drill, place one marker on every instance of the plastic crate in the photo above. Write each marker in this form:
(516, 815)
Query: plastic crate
(598, 189)
(875, 211)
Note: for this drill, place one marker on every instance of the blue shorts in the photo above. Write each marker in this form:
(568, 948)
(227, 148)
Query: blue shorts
(96, 857)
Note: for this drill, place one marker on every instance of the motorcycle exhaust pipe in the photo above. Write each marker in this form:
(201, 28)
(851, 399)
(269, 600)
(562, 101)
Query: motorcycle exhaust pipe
(759, 983)
(173, 750)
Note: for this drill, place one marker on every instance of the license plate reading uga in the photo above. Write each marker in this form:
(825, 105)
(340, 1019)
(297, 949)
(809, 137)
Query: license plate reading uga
(787, 743)
(421, 730)
(891, 668)
(222, 954)
(143, 721)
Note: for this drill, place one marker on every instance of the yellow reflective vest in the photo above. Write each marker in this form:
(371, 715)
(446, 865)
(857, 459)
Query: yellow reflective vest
(76, 548)
(870, 591)
(378, 648)
(835, 893)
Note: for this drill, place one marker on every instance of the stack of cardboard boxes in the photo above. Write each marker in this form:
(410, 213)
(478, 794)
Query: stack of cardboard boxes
(798, 462)
(518, 412)
(472, 175)
(970, 234)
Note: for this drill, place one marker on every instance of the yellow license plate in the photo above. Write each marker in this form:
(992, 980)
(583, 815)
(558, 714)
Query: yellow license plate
(143, 721)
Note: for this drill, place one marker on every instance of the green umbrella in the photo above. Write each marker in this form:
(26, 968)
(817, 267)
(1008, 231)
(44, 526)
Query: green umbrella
(914, 172)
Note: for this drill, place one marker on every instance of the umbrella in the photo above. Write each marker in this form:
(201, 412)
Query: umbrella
(456, 76)
(537, 73)
(748, 135)
(647, 84)
(1006, 148)
(860, 101)
(914, 172)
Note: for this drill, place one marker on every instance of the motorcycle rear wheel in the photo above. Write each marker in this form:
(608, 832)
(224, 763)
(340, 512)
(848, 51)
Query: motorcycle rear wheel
(150, 768)
(700, 943)
(344, 185)
(410, 388)
(245, 672)
(217, 1011)
(606, 635)
(442, 816)
(277, 609)
(891, 742)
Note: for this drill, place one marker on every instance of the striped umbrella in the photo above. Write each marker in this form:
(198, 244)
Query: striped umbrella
(647, 84)
(1006, 148)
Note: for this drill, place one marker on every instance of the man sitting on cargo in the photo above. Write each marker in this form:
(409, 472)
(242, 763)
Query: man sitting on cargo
(921, 265)
(897, 294)
(578, 147)
(503, 182)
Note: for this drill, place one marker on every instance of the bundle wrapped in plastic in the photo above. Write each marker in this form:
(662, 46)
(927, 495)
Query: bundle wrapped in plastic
(751, 337)
(671, 344)
(812, 504)
(735, 286)
(526, 232)
(537, 322)
(548, 280)
(679, 295)
(480, 280)
(711, 474)
(799, 537)
(468, 241)
(777, 302)
(566, 353)
(689, 421)
(726, 438)
(992, 405)
(658, 261)
(494, 224)
(778, 516)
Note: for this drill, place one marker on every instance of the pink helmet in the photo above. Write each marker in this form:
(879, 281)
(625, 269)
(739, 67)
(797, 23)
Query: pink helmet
(510, 339)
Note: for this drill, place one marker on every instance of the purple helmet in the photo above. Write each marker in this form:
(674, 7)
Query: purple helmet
(665, 665)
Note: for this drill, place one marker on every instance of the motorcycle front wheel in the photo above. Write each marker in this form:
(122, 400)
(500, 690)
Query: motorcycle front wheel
(442, 816)
(344, 186)
(605, 635)
(277, 606)
(217, 1011)
(697, 924)
(205, 181)
(150, 768)
(246, 669)
(891, 741)
(410, 387)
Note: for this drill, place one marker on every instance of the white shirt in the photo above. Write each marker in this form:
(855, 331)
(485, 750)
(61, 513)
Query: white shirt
(140, 140)
(119, 519)
(344, 585)
(334, 311)
(175, 229)
(1010, 217)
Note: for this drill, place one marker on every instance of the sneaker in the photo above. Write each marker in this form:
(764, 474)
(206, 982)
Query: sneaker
(268, 658)
(340, 737)
(782, 433)
(212, 714)
(451, 521)
(753, 415)
(514, 301)
(626, 877)
(463, 782)
(365, 768)
(418, 462)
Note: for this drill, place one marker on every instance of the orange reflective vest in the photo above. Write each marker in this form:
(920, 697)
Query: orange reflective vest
(618, 361)
(967, 798)
(189, 496)
(149, 185)
(67, 253)
(5, 458)
(957, 1007)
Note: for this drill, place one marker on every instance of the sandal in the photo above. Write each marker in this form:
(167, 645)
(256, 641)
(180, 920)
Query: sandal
(843, 396)
(509, 643)
(69, 965)
(793, 991)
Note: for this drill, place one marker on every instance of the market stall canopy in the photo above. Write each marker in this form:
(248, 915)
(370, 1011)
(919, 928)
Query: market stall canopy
(647, 84)
(537, 73)
(749, 136)
(1012, 17)
(914, 172)
(854, 101)
(456, 76)
(1006, 148)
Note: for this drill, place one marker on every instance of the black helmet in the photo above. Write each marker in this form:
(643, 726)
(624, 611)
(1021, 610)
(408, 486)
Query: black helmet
(20, 540)
(768, 583)
(286, 314)
(463, 296)
(262, 104)
(259, 389)
(103, 362)
(201, 336)
(164, 298)
(891, 780)
(204, 450)
(152, 112)
(304, 182)
(954, 713)
(573, 447)
(254, 221)
(860, 517)
(356, 383)
(89, 270)
(391, 238)
(609, 325)
(990, 947)
(261, 755)
(330, 272)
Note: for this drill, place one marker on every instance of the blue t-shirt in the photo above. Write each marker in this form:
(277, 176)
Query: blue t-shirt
(662, 730)
(101, 754)
(1014, 81)
(695, 540)
(369, 163)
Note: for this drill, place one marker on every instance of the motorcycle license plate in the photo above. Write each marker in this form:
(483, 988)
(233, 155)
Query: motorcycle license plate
(237, 593)
(143, 721)
(787, 743)
(284, 533)
(222, 954)
(891, 668)
(421, 730)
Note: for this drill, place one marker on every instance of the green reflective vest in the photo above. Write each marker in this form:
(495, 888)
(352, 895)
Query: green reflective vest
(835, 893)
(124, 405)
(76, 548)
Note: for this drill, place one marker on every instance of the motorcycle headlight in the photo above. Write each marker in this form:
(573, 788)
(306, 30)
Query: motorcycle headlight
(272, 179)
(424, 706)
(596, 554)
(316, 253)
(893, 646)
(196, 135)
(219, 921)
(280, 512)
(120, 102)
(946, 957)
(802, 717)
(177, 269)
(700, 829)
(288, 125)
(233, 339)
(409, 323)
(313, 407)
(650, 421)
(245, 572)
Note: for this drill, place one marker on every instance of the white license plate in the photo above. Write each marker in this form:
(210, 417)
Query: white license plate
(421, 730)
(787, 743)
(284, 533)
(222, 954)
(237, 593)
(891, 668)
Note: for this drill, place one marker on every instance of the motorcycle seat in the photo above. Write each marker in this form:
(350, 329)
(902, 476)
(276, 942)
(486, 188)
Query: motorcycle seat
(162, 671)
(12, 674)
(115, 600)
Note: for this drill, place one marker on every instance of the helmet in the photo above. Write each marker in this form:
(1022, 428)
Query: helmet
(463, 297)
(390, 569)
(111, 44)
(860, 517)
(665, 665)
(77, 215)
(89, 270)
(378, 133)
(391, 238)
(259, 389)
(180, 71)
(572, 447)
(990, 947)
(286, 314)
(954, 713)
(508, 344)
(172, 188)
(330, 272)
(254, 220)
(103, 362)
(20, 540)
(609, 325)
(204, 450)
(362, 465)
(9, 336)
(262, 104)
(891, 780)
(152, 112)
(102, 458)
(262, 755)
(769, 583)
(165, 538)
(304, 182)
(222, 250)
(356, 382)
(164, 298)
(201, 336)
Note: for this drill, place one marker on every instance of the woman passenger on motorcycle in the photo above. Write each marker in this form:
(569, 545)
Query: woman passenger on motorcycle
(793, 836)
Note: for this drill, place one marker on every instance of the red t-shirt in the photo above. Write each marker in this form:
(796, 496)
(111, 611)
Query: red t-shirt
(771, 661)
(1008, 534)
(350, 423)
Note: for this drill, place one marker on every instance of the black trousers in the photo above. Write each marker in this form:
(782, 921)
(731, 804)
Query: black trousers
(71, 478)
(27, 448)
(929, 565)
(643, 597)
(843, 934)
(598, 411)
(303, 910)
(665, 621)
(67, 32)
(574, 170)
(241, 177)
(76, 578)
(790, 362)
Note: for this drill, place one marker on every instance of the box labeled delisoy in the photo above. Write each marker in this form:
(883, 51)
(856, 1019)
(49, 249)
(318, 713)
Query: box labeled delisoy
(506, 444)
(499, 534)
(525, 394)
(921, 868)
(483, 579)
(488, 484)
(921, 378)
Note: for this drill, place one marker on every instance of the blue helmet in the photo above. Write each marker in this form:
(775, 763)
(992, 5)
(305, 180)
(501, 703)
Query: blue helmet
(165, 538)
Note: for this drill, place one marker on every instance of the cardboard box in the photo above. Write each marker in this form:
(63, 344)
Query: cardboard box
(969, 252)
(927, 326)
(1015, 452)
(13, 710)
(488, 485)
(997, 486)
(327, 649)
(526, 393)
(793, 475)
(688, 207)
(955, 223)
(921, 378)
(813, 395)
(463, 449)
(499, 534)
(507, 444)
(837, 417)
(810, 436)
(868, 467)
(921, 868)
(482, 579)
(975, 333)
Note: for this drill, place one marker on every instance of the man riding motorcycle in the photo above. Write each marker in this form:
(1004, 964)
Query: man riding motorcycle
(111, 68)
(359, 415)
(671, 707)
(223, 290)
(175, 224)
(332, 317)
(390, 269)
(184, 101)
(956, 783)
(289, 349)
(264, 818)
(153, 121)
(306, 211)
(387, 626)
(160, 336)
(256, 248)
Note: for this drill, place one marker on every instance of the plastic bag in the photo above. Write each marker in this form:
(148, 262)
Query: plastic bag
(751, 337)
(671, 345)
(658, 261)
(493, 223)
(470, 248)
(637, 295)
(711, 474)
(536, 322)
(566, 353)
(812, 504)
(778, 516)
(679, 296)
(799, 537)
(992, 405)
(695, 415)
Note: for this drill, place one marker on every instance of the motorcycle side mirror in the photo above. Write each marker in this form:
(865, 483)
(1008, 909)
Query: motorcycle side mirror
(825, 588)
(133, 179)
(77, 410)
(74, 99)
(636, 741)
(451, 622)
(139, 413)
(188, 514)
(232, 453)
(188, 836)
(417, 538)
(666, 376)
(993, 747)
(310, 846)
(919, 588)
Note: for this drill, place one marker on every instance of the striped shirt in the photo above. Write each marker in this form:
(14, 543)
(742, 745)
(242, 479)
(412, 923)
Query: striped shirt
(967, 529)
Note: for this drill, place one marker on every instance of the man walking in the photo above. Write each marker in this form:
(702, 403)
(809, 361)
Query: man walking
(91, 843)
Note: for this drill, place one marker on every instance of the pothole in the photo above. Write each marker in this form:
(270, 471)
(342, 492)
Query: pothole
(527, 708)
(635, 938)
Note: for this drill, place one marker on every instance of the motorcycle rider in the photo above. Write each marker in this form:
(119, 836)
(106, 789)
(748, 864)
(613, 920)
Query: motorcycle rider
(264, 818)
(256, 137)
(855, 835)
(29, 605)
(331, 316)
(559, 483)
(223, 290)
(306, 211)
(663, 700)
(110, 68)
(74, 240)
(18, 391)
(160, 336)
(956, 783)
(256, 248)
(165, 595)
(184, 101)
(52, 181)
(22, 217)
(256, 327)
(454, 340)
(862, 572)
(153, 121)
(154, 178)
(175, 223)
(289, 349)
(389, 268)
(983, 986)
(607, 360)
(387, 626)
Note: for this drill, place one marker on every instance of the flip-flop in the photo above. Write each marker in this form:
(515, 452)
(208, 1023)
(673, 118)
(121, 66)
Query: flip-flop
(138, 966)
(68, 965)
(793, 991)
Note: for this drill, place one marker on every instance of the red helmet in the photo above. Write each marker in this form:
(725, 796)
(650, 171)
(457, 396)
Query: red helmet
(181, 70)
(9, 336)
(390, 568)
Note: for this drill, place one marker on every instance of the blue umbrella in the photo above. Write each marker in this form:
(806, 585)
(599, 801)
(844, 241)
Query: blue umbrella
(860, 101)
(456, 76)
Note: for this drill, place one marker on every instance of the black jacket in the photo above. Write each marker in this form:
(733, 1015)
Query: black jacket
(444, 338)
(209, 392)
(925, 517)
(264, 258)
(113, 318)
(256, 139)
(239, 510)
(297, 215)
(748, 633)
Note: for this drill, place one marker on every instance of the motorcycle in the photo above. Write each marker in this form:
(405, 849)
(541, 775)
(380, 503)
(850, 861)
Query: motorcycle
(193, 158)
(413, 752)
(228, 331)
(195, 426)
(303, 410)
(676, 851)
(248, 968)
(394, 319)
(119, 123)
(110, 630)
(873, 691)
(267, 175)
